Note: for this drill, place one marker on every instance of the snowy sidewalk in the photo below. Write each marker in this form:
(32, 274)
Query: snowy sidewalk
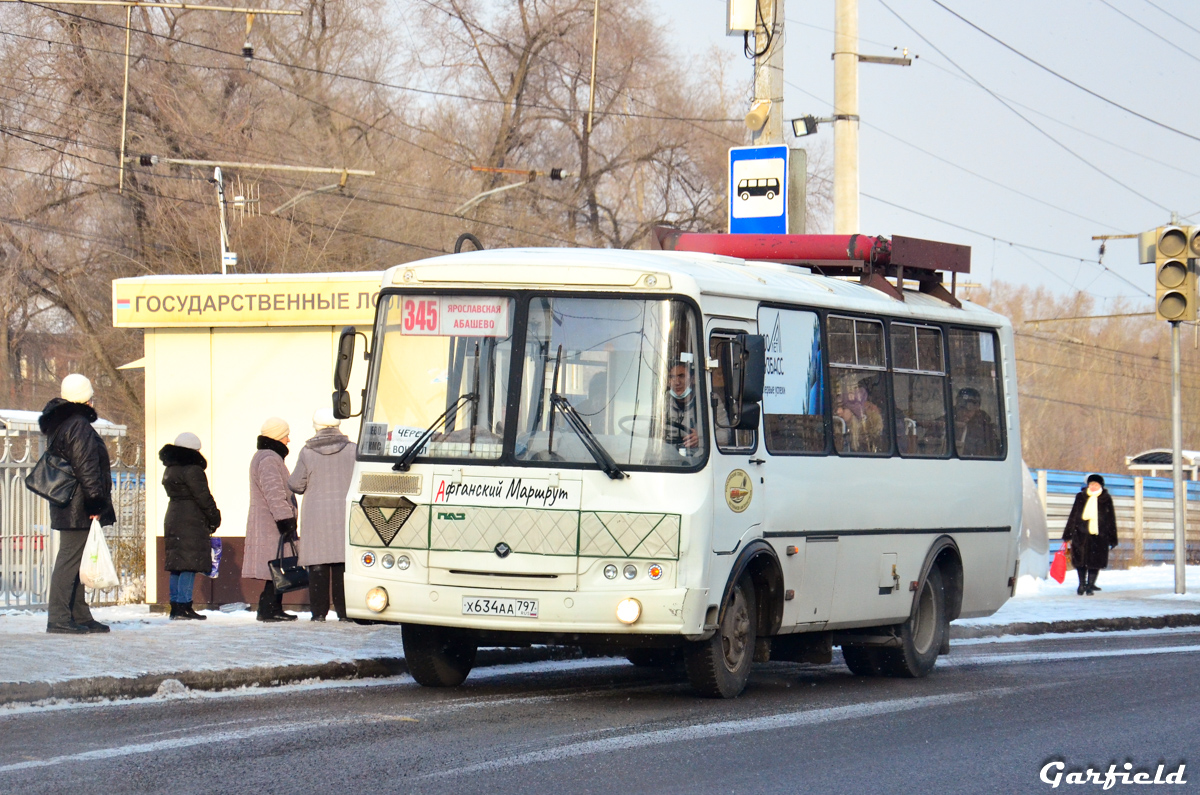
(232, 649)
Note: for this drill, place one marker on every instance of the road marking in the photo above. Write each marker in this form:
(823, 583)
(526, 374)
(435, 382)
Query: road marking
(1052, 656)
(701, 731)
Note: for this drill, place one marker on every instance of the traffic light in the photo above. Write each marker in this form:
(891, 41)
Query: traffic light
(1175, 272)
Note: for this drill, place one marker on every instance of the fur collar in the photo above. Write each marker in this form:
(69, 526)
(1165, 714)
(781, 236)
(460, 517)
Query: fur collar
(175, 456)
(58, 411)
(267, 443)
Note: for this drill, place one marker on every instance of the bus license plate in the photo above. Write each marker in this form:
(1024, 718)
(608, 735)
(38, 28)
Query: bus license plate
(487, 606)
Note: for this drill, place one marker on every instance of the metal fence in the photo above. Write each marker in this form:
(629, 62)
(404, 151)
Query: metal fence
(28, 546)
(1145, 514)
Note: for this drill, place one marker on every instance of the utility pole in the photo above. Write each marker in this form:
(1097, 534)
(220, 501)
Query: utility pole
(129, 5)
(768, 75)
(1177, 463)
(845, 118)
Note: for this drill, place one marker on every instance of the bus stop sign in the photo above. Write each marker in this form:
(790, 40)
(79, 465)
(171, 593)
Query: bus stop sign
(758, 178)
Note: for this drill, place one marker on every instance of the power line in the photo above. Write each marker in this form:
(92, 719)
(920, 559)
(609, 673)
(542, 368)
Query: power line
(1060, 76)
(1021, 116)
(1151, 31)
(1172, 16)
(1104, 409)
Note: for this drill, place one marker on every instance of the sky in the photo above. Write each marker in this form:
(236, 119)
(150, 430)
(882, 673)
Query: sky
(940, 157)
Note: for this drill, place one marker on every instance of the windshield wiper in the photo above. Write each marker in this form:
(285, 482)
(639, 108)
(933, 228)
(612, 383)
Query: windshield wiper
(590, 442)
(410, 454)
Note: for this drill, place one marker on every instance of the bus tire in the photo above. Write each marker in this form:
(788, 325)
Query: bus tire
(863, 660)
(770, 195)
(922, 634)
(653, 658)
(437, 656)
(720, 666)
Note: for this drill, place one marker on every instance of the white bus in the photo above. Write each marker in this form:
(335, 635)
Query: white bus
(681, 455)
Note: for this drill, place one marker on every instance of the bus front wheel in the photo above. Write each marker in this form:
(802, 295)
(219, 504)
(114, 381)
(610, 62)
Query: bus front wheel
(922, 634)
(720, 666)
(437, 656)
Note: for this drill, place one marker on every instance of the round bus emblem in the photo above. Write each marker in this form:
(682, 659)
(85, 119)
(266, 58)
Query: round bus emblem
(738, 491)
(502, 549)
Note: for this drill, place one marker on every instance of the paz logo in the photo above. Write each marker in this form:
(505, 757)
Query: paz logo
(739, 490)
(502, 550)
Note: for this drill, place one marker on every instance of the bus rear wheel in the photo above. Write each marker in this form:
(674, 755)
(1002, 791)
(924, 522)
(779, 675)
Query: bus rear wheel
(720, 666)
(437, 656)
(922, 634)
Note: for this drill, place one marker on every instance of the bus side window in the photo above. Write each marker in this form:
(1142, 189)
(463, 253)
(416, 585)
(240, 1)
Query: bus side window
(919, 387)
(975, 379)
(729, 440)
(794, 392)
(857, 369)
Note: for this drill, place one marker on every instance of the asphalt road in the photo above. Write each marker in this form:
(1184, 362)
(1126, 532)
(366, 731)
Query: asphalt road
(987, 720)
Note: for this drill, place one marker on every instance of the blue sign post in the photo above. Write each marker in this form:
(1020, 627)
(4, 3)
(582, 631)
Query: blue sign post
(758, 178)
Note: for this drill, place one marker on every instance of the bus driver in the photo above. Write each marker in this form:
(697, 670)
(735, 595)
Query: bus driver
(681, 416)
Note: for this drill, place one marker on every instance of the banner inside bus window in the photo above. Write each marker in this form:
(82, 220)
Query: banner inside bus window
(454, 316)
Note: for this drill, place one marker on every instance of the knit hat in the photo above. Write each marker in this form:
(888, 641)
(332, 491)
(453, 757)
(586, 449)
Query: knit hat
(1096, 479)
(275, 428)
(189, 440)
(76, 388)
(323, 418)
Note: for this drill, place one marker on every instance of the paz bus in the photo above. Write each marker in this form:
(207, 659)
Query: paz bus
(738, 448)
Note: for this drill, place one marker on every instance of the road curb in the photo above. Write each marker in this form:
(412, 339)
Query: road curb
(112, 687)
(94, 688)
(1080, 625)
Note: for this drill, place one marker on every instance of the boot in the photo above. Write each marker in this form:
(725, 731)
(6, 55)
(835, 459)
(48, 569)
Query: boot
(1091, 582)
(192, 614)
(176, 613)
(1082, 581)
(280, 615)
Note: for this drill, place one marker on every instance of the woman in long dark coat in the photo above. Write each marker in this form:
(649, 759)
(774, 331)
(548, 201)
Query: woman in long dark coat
(192, 516)
(1091, 531)
(272, 515)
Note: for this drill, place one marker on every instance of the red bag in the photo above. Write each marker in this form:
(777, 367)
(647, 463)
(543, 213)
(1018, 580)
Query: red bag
(1058, 568)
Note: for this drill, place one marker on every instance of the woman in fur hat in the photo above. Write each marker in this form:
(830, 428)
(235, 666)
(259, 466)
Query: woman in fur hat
(1091, 531)
(192, 516)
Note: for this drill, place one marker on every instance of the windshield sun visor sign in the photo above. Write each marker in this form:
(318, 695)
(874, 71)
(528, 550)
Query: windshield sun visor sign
(455, 316)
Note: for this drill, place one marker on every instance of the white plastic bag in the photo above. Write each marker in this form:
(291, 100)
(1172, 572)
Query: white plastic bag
(96, 571)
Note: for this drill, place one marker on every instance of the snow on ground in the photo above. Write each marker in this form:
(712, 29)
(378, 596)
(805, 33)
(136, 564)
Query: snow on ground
(1142, 592)
(142, 642)
(149, 643)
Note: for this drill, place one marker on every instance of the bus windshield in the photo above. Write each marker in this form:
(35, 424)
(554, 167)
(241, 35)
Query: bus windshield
(627, 366)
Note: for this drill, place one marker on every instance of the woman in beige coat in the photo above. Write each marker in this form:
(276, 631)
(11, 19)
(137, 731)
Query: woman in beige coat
(272, 515)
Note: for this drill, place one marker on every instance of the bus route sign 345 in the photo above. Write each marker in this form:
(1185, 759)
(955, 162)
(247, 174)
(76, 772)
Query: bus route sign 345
(758, 178)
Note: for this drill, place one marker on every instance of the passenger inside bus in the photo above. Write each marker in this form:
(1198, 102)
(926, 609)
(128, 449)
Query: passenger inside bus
(858, 423)
(975, 429)
(682, 419)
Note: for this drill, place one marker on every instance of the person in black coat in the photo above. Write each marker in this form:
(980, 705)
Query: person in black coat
(1091, 531)
(67, 423)
(192, 516)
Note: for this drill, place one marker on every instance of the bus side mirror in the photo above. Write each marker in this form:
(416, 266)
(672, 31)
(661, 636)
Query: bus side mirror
(743, 365)
(341, 373)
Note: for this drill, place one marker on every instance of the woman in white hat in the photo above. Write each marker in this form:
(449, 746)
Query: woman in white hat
(322, 474)
(272, 515)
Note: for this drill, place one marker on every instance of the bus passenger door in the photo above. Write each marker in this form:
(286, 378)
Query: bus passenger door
(737, 466)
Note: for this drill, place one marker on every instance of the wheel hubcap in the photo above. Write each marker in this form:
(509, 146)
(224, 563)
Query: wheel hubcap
(735, 632)
(924, 623)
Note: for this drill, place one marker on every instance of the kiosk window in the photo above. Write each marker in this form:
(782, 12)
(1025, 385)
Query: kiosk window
(794, 392)
(975, 381)
(919, 387)
(857, 370)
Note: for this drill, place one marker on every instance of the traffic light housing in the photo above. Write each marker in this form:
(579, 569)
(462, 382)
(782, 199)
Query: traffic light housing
(1175, 251)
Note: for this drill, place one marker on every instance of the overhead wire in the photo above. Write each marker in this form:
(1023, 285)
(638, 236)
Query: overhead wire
(1151, 31)
(1021, 116)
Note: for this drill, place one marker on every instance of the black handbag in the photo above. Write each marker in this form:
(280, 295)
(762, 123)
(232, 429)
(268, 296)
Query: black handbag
(53, 478)
(287, 573)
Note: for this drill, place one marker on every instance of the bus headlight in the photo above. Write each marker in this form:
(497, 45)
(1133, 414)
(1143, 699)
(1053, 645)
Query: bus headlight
(387, 560)
(629, 610)
(630, 571)
(610, 572)
(402, 563)
(377, 599)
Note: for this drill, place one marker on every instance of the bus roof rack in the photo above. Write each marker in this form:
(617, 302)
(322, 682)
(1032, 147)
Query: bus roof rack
(873, 259)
